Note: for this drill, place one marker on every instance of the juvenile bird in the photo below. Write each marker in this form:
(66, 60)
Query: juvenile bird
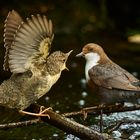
(113, 83)
(34, 71)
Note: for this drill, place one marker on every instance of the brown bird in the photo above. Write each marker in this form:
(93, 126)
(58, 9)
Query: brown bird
(27, 56)
(113, 83)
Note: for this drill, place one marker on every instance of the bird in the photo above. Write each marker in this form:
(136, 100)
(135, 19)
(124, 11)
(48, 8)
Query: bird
(113, 83)
(34, 69)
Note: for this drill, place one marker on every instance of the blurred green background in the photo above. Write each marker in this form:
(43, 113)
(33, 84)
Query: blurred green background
(112, 24)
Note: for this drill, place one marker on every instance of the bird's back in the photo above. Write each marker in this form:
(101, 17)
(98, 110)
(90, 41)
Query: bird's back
(111, 75)
(11, 90)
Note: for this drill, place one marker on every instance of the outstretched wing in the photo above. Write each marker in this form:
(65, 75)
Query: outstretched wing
(113, 76)
(33, 36)
(12, 23)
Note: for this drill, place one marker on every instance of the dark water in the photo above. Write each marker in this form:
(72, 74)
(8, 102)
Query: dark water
(76, 24)
(107, 23)
(70, 94)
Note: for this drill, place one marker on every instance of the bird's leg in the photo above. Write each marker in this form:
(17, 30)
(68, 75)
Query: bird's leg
(40, 114)
(84, 114)
(43, 110)
(101, 121)
(101, 117)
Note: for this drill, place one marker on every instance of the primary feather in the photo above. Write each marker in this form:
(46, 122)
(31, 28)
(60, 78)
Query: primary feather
(25, 39)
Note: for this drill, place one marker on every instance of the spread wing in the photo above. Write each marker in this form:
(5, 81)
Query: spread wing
(32, 37)
(113, 76)
(12, 23)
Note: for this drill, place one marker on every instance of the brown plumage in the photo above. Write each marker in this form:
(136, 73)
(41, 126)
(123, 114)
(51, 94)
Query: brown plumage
(35, 71)
(109, 77)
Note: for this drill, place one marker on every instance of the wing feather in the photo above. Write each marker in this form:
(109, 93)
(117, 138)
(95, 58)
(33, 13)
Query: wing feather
(32, 36)
(113, 76)
(12, 22)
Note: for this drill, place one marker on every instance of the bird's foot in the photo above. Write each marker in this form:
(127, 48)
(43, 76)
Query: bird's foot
(84, 114)
(41, 113)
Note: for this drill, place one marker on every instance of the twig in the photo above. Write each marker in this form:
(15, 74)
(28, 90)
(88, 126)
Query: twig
(123, 122)
(19, 124)
(72, 127)
(107, 109)
(63, 123)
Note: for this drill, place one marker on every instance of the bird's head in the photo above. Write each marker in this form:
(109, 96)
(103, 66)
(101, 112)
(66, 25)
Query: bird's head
(56, 62)
(93, 52)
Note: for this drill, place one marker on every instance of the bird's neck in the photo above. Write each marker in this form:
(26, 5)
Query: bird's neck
(89, 65)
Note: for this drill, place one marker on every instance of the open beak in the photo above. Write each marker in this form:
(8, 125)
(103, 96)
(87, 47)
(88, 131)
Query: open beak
(67, 57)
(80, 54)
(69, 52)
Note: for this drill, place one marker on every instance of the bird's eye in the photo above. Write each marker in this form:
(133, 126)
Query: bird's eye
(63, 60)
(90, 49)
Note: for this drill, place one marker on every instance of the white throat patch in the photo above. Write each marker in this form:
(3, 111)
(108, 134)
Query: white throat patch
(91, 61)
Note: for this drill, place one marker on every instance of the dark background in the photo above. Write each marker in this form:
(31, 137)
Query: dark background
(105, 22)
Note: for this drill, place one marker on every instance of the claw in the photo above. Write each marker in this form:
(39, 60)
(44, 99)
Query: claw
(40, 114)
(84, 114)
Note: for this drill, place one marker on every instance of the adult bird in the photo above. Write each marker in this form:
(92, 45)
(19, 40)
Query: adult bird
(113, 83)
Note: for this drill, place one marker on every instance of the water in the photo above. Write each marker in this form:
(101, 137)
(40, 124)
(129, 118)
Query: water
(70, 94)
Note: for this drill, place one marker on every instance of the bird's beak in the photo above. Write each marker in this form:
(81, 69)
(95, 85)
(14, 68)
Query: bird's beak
(66, 69)
(80, 54)
(67, 57)
(69, 52)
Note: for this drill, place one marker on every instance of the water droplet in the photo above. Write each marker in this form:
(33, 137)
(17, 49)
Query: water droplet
(84, 94)
(81, 102)
(83, 82)
(57, 111)
(135, 73)
(47, 98)
(55, 135)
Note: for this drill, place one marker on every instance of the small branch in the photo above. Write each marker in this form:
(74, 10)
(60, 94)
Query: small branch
(123, 122)
(107, 109)
(74, 113)
(19, 124)
(63, 123)
(72, 127)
